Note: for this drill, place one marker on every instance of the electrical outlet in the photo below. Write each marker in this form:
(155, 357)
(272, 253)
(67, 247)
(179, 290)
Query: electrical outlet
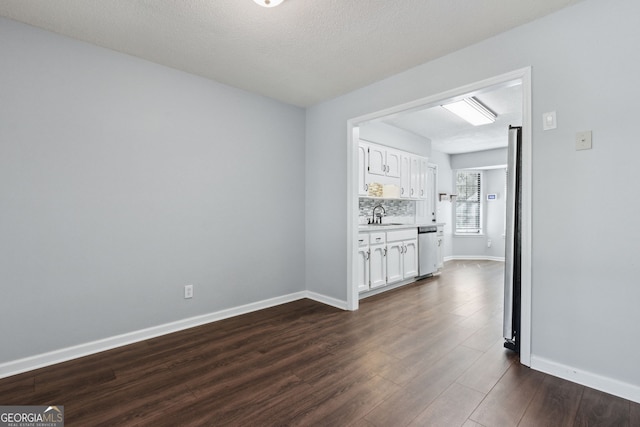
(489, 243)
(188, 291)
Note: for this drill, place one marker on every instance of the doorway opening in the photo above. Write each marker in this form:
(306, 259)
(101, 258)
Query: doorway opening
(520, 78)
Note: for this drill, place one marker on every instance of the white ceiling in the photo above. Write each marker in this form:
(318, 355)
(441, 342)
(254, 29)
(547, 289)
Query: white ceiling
(301, 52)
(450, 134)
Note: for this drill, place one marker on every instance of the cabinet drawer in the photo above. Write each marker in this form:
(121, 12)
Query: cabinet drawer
(363, 239)
(397, 235)
(377, 238)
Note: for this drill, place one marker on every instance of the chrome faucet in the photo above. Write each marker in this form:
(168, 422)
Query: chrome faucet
(378, 215)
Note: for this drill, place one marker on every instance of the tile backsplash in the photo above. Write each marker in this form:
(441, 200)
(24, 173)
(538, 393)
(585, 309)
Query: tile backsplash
(396, 210)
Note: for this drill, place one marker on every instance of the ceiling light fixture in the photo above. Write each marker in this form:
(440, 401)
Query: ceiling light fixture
(268, 3)
(471, 110)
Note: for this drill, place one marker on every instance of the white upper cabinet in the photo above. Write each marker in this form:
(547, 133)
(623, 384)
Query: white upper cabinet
(414, 181)
(422, 178)
(418, 177)
(384, 165)
(393, 163)
(405, 176)
(376, 160)
(383, 161)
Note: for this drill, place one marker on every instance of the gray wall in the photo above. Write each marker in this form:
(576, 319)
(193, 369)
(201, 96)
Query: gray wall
(122, 180)
(493, 213)
(392, 136)
(479, 159)
(585, 278)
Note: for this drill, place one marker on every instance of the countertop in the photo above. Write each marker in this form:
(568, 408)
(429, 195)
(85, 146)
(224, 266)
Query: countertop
(385, 227)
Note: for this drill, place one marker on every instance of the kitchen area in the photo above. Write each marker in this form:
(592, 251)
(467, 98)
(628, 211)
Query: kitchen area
(410, 215)
(399, 237)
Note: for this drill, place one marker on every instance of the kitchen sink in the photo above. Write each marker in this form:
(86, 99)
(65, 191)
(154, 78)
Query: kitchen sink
(382, 225)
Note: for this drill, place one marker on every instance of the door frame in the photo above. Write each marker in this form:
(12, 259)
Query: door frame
(522, 77)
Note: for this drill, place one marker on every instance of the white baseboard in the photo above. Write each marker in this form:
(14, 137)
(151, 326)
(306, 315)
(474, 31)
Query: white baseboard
(589, 379)
(326, 300)
(386, 288)
(62, 355)
(473, 258)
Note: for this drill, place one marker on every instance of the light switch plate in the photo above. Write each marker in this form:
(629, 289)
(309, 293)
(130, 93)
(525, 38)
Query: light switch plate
(549, 120)
(583, 140)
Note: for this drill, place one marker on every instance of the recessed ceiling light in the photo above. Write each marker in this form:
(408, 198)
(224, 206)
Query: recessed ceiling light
(471, 110)
(268, 3)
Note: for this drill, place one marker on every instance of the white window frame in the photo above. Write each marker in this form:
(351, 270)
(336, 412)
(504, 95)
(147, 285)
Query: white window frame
(480, 230)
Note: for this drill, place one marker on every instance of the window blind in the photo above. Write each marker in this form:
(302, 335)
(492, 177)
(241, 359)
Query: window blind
(468, 202)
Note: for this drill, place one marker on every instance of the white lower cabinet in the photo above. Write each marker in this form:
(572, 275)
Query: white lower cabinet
(363, 262)
(377, 266)
(410, 259)
(402, 255)
(386, 258)
(372, 261)
(440, 239)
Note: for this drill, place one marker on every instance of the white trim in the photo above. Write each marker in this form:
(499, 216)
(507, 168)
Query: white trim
(342, 305)
(353, 138)
(527, 211)
(62, 355)
(386, 288)
(523, 76)
(474, 258)
(589, 379)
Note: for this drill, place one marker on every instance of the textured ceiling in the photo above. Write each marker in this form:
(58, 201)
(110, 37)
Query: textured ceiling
(301, 52)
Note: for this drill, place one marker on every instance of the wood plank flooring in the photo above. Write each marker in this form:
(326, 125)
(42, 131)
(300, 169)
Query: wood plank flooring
(427, 354)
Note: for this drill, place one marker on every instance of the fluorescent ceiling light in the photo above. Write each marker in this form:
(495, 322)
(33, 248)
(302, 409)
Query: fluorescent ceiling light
(268, 3)
(472, 111)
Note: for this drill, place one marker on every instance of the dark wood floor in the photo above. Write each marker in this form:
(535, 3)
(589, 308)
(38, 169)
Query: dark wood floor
(427, 354)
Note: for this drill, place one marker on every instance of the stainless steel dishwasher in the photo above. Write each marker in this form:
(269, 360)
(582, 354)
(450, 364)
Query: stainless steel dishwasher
(427, 250)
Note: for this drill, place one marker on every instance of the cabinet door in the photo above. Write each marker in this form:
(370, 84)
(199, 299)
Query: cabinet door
(422, 178)
(410, 259)
(395, 251)
(405, 176)
(440, 235)
(414, 190)
(363, 269)
(440, 252)
(393, 163)
(377, 266)
(432, 203)
(363, 186)
(376, 161)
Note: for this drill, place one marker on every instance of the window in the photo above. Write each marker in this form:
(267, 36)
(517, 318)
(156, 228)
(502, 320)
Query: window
(469, 202)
